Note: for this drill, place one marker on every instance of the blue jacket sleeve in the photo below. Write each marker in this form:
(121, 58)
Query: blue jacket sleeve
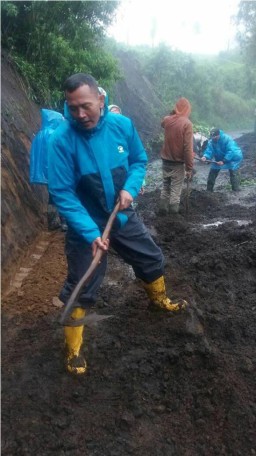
(137, 164)
(208, 153)
(62, 186)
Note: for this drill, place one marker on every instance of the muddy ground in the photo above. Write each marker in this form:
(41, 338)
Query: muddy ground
(157, 385)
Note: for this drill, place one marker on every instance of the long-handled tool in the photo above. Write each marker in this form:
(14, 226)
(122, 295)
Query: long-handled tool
(187, 197)
(206, 161)
(65, 317)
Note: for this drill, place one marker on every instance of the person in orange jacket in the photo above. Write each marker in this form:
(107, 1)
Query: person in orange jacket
(177, 155)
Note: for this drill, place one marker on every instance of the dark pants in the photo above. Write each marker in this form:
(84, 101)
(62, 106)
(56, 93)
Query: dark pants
(134, 245)
(234, 179)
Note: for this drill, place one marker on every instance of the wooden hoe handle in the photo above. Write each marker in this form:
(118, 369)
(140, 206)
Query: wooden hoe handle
(65, 317)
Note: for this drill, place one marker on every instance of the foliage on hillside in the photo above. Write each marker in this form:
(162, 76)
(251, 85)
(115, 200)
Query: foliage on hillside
(51, 40)
(217, 87)
(246, 22)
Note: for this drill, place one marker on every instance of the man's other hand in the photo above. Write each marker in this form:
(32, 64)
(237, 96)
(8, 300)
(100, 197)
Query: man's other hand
(125, 199)
(98, 243)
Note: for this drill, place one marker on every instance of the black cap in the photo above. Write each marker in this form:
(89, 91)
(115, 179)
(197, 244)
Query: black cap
(214, 132)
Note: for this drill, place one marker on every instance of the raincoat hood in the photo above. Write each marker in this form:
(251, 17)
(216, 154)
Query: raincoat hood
(182, 107)
(50, 119)
(38, 171)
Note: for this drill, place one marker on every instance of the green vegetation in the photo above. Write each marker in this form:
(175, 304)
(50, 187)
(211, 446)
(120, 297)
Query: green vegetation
(248, 182)
(49, 40)
(217, 87)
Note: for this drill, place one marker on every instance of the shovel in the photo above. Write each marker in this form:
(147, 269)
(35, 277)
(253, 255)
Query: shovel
(93, 318)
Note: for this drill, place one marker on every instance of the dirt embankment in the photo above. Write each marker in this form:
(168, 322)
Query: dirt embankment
(22, 206)
(156, 385)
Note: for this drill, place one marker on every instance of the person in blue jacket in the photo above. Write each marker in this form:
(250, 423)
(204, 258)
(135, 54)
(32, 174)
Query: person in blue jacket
(227, 155)
(38, 167)
(97, 157)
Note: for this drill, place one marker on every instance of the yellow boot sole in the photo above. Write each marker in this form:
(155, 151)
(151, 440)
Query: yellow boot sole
(76, 364)
(168, 305)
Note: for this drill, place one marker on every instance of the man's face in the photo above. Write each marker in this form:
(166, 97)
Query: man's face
(216, 138)
(85, 106)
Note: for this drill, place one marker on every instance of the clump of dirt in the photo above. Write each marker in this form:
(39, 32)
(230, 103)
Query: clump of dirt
(156, 384)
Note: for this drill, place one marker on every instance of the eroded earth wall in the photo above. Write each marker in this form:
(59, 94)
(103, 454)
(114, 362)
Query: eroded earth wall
(22, 206)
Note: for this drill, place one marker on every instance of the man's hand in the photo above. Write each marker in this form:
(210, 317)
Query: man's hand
(98, 243)
(220, 163)
(125, 199)
(203, 159)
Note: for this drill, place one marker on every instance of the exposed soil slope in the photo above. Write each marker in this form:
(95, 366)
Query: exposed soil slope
(22, 205)
(156, 385)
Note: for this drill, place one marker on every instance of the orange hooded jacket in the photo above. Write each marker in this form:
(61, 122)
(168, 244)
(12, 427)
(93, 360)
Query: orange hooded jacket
(178, 135)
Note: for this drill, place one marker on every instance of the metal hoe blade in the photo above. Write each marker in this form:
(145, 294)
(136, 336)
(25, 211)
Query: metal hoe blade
(90, 320)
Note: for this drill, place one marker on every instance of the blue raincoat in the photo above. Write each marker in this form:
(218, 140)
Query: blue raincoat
(40, 146)
(226, 150)
(88, 169)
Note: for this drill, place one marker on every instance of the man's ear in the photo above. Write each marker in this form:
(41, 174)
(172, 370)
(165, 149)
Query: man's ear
(102, 101)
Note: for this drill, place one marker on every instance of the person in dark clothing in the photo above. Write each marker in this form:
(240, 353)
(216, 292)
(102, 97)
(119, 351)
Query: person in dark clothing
(96, 158)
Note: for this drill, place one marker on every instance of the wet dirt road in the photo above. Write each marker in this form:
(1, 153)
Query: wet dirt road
(156, 385)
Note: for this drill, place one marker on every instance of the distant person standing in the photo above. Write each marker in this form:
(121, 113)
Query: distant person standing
(226, 155)
(201, 142)
(177, 155)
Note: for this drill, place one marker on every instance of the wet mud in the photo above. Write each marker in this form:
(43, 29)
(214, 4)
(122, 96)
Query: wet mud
(157, 385)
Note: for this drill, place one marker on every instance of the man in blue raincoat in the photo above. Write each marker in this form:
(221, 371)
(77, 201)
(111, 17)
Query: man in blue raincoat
(226, 155)
(97, 157)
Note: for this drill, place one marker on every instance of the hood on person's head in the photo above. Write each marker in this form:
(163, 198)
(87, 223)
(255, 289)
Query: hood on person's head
(103, 92)
(182, 107)
(50, 118)
(214, 133)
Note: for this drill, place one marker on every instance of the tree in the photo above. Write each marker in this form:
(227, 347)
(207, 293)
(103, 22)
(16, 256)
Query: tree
(49, 40)
(246, 19)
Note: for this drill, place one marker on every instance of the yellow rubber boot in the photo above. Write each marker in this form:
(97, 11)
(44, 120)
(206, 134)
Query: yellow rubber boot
(157, 295)
(75, 362)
